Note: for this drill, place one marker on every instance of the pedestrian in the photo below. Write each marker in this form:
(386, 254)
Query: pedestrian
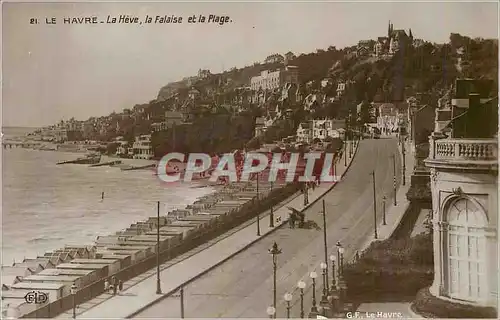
(106, 285)
(292, 221)
(115, 284)
(120, 285)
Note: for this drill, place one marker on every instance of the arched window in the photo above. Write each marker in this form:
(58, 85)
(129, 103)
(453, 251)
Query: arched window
(466, 251)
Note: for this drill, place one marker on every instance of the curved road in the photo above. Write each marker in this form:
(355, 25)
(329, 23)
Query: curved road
(242, 287)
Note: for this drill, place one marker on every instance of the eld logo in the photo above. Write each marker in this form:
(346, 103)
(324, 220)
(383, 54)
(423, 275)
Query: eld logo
(37, 297)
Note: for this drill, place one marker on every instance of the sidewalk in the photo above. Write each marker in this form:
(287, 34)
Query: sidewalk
(394, 214)
(139, 292)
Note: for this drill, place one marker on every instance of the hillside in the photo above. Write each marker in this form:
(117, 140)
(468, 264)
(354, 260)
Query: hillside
(427, 67)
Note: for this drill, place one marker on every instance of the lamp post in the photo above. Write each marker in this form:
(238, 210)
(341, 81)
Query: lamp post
(383, 207)
(271, 312)
(333, 258)
(341, 282)
(73, 295)
(374, 205)
(404, 161)
(306, 194)
(182, 302)
(325, 305)
(345, 149)
(258, 225)
(158, 284)
(333, 291)
(350, 136)
(258, 195)
(301, 285)
(341, 265)
(325, 244)
(274, 251)
(288, 298)
(271, 216)
(314, 310)
(394, 177)
(339, 247)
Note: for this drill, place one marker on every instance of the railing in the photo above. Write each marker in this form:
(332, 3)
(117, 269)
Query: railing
(465, 149)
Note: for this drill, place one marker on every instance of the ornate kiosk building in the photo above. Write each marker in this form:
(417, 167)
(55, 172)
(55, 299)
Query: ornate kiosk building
(463, 160)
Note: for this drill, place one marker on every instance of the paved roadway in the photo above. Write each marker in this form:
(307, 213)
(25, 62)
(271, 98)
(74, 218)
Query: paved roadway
(242, 287)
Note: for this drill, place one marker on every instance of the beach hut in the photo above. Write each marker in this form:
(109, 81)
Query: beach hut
(113, 265)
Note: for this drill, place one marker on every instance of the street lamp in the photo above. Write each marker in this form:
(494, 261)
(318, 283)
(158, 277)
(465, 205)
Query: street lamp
(324, 298)
(314, 309)
(394, 177)
(258, 225)
(333, 258)
(345, 149)
(323, 267)
(306, 194)
(274, 251)
(333, 292)
(383, 207)
(271, 216)
(73, 294)
(341, 265)
(338, 245)
(271, 311)
(374, 205)
(325, 246)
(341, 282)
(404, 161)
(288, 297)
(350, 135)
(158, 284)
(301, 285)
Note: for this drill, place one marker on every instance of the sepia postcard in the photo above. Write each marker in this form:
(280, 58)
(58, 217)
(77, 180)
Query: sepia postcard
(256, 159)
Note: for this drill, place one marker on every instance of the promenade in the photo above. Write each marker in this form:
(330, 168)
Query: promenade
(141, 291)
(394, 214)
(242, 287)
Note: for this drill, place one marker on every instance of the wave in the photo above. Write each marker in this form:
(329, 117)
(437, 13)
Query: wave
(44, 239)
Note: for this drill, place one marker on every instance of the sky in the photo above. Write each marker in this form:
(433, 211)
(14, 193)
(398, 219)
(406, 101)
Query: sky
(58, 71)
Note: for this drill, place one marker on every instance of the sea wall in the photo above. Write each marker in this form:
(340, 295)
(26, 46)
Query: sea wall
(132, 251)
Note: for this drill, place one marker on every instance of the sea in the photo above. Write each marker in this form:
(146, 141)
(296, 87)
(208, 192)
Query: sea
(47, 206)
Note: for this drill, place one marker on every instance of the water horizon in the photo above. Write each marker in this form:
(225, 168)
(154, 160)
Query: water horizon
(47, 206)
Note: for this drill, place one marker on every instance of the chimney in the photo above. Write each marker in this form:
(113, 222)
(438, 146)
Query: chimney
(474, 101)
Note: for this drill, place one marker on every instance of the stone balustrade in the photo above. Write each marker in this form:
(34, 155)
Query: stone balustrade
(464, 149)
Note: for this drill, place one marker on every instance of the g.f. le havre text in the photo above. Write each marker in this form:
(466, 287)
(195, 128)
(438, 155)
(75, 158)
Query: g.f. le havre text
(131, 19)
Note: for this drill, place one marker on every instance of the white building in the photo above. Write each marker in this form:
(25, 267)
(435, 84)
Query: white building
(260, 126)
(464, 185)
(388, 118)
(142, 147)
(465, 205)
(304, 133)
(319, 129)
(270, 80)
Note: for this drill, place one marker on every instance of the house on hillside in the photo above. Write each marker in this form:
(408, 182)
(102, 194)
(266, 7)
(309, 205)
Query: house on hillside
(364, 48)
(194, 93)
(326, 82)
(395, 41)
(203, 74)
(387, 120)
(142, 147)
(304, 133)
(274, 58)
(289, 56)
(260, 126)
